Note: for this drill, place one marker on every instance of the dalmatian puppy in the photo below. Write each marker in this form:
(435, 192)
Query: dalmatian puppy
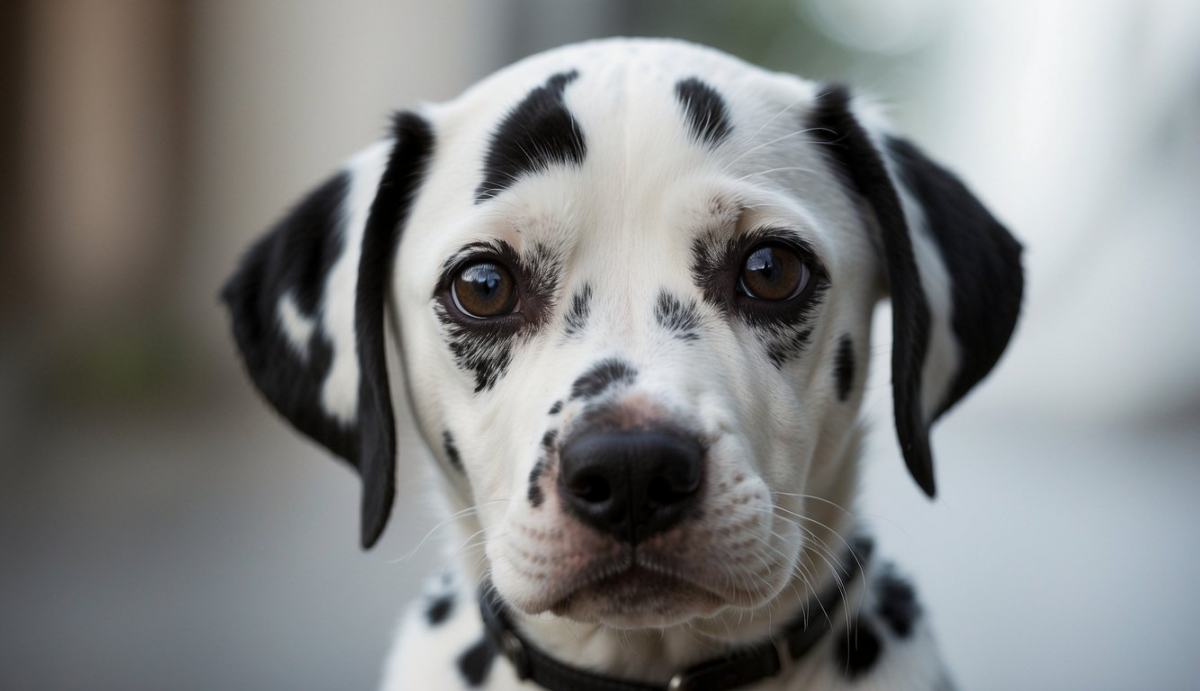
(629, 284)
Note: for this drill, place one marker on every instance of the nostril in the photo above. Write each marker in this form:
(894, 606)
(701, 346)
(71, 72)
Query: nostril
(592, 489)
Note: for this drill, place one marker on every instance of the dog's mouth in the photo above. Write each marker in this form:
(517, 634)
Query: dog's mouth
(637, 593)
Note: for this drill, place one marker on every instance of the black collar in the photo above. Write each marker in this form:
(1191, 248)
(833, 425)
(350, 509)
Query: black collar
(736, 668)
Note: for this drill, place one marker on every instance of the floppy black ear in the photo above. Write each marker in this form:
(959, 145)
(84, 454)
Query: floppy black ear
(307, 305)
(954, 273)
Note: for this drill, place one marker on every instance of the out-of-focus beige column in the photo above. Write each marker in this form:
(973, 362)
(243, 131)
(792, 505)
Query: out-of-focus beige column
(100, 150)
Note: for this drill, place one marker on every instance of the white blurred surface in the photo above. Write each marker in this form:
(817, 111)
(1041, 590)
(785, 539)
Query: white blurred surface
(1056, 556)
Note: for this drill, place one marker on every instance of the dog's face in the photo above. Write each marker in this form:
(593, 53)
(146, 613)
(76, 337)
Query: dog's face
(631, 284)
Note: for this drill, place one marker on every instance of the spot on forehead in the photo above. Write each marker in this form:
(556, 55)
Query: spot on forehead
(705, 111)
(535, 135)
(601, 376)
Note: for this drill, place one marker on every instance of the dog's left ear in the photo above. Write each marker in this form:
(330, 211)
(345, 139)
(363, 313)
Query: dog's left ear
(953, 272)
(307, 306)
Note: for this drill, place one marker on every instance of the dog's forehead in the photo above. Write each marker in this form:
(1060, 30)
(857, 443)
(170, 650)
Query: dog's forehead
(620, 76)
(613, 120)
(640, 134)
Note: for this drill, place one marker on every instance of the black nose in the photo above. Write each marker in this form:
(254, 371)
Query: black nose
(630, 484)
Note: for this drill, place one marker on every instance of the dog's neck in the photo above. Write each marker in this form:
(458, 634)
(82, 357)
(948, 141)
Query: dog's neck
(655, 655)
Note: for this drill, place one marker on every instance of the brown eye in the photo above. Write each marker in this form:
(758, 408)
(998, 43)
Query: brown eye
(483, 290)
(773, 272)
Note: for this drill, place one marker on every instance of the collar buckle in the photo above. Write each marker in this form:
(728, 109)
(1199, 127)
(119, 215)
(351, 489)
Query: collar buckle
(783, 651)
(514, 650)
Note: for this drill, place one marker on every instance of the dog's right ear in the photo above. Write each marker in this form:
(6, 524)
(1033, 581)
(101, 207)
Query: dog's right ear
(307, 306)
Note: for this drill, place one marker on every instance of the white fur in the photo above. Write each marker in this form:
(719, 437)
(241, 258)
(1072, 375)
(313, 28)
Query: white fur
(942, 356)
(297, 328)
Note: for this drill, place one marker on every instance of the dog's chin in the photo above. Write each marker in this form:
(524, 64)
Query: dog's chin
(637, 598)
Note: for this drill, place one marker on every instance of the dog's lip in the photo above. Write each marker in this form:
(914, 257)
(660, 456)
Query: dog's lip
(628, 571)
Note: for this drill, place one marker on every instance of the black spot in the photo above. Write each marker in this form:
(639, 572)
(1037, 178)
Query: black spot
(843, 367)
(451, 450)
(484, 349)
(577, 313)
(548, 439)
(858, 649)
(601, 376)
(538, 133)
(536, 497)
(898, 604)
(439, 609)
(680, 318)
(705, 110)
(556, 408)
(476, 662)
(308, 245)
(785, 344)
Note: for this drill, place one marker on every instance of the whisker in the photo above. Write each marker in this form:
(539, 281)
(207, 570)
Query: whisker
(457, 516)
(774, 117)
(773, 141)
(776, 170)
(850, 549)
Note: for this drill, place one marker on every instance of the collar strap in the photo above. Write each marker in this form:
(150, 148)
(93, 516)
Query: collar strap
(736, 668)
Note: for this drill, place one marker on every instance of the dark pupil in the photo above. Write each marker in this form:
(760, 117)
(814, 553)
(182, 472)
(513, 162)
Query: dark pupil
(485, 282)
(764, 264)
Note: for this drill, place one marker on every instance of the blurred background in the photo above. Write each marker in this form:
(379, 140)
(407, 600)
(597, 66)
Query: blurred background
(161, 529)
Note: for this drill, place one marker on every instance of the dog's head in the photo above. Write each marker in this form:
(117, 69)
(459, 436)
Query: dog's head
(631, 285)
